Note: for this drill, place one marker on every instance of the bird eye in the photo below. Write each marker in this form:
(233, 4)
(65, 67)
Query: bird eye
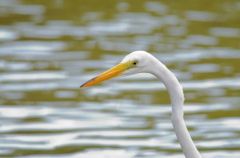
(135, 62)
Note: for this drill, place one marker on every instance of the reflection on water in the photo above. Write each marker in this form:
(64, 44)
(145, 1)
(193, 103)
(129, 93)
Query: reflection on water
(48, 48)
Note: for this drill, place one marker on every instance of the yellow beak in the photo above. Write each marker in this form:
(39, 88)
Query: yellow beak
(111, 73)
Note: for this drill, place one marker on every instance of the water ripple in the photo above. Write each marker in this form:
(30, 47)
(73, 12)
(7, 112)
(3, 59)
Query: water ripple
(48, 48)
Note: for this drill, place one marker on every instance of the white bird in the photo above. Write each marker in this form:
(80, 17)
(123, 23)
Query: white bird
(143, 62)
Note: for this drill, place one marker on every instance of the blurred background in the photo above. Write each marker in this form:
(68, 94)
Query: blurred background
(49, 48)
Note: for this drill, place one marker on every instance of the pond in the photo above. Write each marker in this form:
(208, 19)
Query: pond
(49, 48)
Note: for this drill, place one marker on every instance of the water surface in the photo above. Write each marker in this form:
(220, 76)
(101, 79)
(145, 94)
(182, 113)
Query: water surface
(49, 48)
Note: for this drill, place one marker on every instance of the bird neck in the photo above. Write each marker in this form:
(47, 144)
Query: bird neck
(177, 100)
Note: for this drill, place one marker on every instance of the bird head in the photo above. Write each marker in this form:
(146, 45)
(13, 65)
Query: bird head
(133, 63)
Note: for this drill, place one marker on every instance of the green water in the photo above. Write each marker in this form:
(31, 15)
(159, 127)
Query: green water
(49, 48)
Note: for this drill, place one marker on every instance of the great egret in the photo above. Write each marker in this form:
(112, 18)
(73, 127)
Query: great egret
(143, 62)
